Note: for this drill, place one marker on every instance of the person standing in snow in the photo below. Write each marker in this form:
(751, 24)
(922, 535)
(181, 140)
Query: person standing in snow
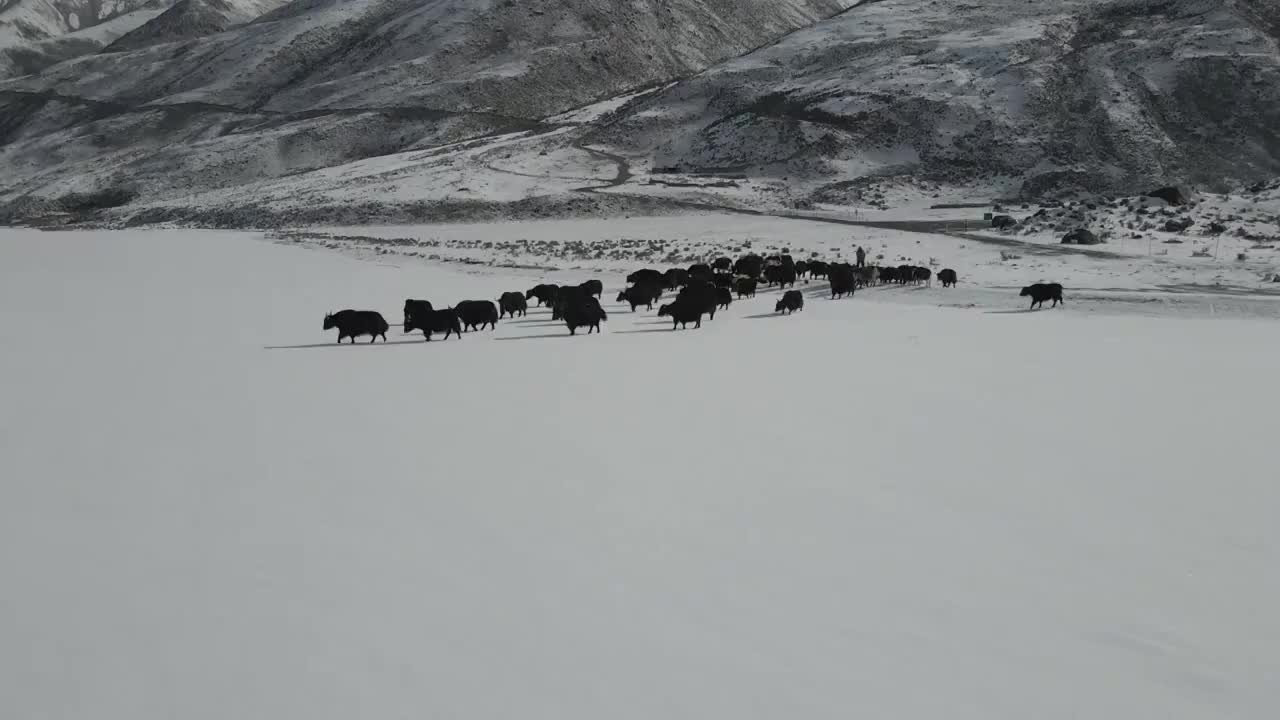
(862, 257)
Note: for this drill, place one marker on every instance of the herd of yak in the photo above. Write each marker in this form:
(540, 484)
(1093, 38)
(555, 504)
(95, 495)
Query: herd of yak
(700, 290)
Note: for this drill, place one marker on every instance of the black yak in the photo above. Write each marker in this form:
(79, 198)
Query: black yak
(646, 276)
(475, 314)
(791, 301)
(1041, 292)
(412, 307)
(569, 295)
(745, 287)
(642, 294)
(545, 294)
(700, 271)
(947, 277)
(512, 303)
(722, 264)
(780, 275)
(354, 323)
(434, 321)
(923, 275)
(584, 313)
(593, 287)
(751, 266)
(682, 312)
(675, 278)
(724, 298)
(702, 294)
(842, 279)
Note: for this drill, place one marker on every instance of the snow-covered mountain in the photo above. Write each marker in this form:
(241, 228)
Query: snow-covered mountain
(42, 19)
(529, 59)
(35, 34)
(189, 19)
(318, 106)
(1031, 99)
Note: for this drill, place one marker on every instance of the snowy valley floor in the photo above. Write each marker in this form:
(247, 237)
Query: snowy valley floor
(871, 508)
(1099, 280)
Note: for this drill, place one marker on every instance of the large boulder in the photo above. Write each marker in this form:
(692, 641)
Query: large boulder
(1178, 225)
(1173, 195)
(1080, 236)
(1001, 222)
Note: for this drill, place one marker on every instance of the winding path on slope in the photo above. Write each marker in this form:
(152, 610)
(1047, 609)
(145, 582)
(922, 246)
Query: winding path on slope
(624, 167)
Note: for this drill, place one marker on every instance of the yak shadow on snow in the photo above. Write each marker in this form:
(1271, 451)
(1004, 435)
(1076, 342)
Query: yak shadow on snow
(762, 316)
(1019, 311)
(346, 345)
(649, 330)
(534, 337)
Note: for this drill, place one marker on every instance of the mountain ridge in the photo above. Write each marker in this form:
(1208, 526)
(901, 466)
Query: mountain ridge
(1004, 99)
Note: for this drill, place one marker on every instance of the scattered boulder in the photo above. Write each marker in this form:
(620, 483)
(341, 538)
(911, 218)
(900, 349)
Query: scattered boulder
(1178, 225)
(1173, 195)
(1080, 236)
(1001, 222)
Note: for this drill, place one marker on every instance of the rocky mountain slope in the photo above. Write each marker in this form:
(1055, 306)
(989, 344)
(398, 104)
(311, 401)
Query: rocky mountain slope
(190, 19)
(382, 109)
(35, 34)
(1029, 98)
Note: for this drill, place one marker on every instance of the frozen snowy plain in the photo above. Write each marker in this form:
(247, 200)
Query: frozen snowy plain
(870, 509)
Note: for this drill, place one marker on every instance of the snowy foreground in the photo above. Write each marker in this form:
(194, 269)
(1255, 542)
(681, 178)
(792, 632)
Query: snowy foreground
(870, 509)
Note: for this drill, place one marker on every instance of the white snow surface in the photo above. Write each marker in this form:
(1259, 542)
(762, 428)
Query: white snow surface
(874, 509)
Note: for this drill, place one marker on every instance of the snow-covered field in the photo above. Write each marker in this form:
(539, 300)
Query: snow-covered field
(1099, 279)
(881, 509)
